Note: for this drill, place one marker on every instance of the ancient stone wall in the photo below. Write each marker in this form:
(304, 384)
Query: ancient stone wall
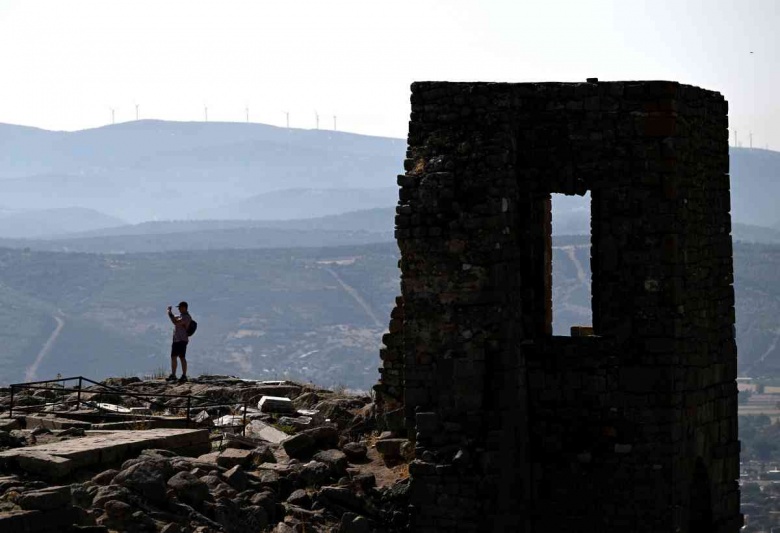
(632, 429)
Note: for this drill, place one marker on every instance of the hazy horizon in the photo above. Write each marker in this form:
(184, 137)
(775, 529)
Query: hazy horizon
(81, 59)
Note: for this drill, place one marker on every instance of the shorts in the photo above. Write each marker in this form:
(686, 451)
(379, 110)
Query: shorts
(179, 349)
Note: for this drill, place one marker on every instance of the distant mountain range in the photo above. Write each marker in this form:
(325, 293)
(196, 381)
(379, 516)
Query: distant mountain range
(302, 203)
(755, 187)
(38, 223)
(152, 170)
(156, 170)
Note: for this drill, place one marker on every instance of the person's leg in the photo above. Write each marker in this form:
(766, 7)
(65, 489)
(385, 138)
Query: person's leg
(173, 363)
(183, 355)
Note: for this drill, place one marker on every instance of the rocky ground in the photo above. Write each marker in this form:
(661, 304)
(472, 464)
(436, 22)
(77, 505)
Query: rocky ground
(303, 460)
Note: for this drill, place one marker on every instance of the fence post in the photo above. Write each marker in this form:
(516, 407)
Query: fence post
(11, 408)
(243, 426)
(78, 396)
(189, 403)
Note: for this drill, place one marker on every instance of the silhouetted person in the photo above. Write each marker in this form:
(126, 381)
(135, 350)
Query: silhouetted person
(181, 324)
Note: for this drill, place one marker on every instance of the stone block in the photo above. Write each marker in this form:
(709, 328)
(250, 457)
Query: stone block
(299, 422)
(35, 421)
(45, 499)
(189, 488)
(325, 436)
(232, 457)
(299, 446)
(275, 404)
(261, 430)
(9, 424)
(210, 458)
(236, 477)
(354, 523)
(392, 447)
(355, 451)
(335, 459)
(49, 466)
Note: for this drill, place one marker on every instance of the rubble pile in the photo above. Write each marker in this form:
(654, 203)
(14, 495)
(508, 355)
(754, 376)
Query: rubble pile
(285, 457)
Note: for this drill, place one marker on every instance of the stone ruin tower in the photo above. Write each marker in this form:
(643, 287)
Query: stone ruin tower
(632, 428)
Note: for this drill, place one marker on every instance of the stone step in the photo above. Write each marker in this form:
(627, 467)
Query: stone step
(53, 422)
(115, 423)
(9, 424)
(58, 459)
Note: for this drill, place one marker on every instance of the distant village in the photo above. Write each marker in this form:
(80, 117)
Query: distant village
(759, 477)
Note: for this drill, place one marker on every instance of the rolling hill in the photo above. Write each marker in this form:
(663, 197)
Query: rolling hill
(305, 313)
(357, 227)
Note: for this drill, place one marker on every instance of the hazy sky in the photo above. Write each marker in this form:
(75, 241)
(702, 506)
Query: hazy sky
(65, 63)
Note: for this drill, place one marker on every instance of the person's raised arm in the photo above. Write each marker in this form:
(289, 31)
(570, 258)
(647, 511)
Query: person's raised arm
(174, 319)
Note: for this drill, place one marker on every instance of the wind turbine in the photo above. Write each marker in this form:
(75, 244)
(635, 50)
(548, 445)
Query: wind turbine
(136, 112)
(334, 122)
(317, 119)
(287, 113)
(112, 115)
(206, 113)
(247, 114)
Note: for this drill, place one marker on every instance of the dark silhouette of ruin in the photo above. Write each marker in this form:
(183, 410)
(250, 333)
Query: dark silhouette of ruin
(630, 427)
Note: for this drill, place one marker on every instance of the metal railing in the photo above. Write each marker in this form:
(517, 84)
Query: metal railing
(202, 402)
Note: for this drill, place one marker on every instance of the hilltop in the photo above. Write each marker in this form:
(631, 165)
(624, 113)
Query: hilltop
(216, 454)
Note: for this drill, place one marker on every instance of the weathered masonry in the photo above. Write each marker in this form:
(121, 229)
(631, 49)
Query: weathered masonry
(631, 429)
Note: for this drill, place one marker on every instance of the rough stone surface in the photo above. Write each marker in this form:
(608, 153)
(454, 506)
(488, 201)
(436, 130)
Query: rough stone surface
(232, 457)
(355, 451)
(261, 430)
(45, 499)
(275, 404)
(262, 454)
(110, 492)
(146, 478)
(236, 477)
(105, 477)
(300, 445)
(325, 436)
(189, 488)
(392, 448)
(315, 473)
(300, 498)
(352, 523)
(335, 459)
(57, 459)
(506, 409)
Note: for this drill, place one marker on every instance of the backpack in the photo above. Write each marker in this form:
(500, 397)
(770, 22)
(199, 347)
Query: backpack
(192, 328)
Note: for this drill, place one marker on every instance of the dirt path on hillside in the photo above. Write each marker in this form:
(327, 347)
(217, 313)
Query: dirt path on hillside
(32, 370)
(356, 296)
(567, 289)
(571, 253)
(764, 355)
